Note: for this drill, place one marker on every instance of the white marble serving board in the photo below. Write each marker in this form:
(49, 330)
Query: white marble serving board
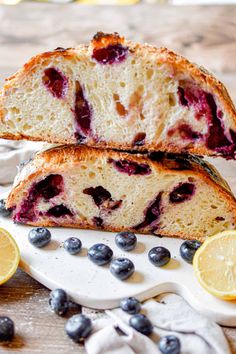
(96, 287)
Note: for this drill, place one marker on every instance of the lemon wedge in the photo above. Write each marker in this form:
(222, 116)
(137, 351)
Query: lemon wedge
(215, 265)
(9, 256)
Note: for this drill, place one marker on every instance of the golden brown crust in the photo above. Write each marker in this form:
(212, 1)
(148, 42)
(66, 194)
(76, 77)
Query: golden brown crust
(57, 155)
(103, 40)
(44, 162)
(161, 55)
(49, 160)
(201, 151)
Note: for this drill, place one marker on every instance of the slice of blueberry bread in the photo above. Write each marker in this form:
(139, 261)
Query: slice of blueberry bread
(78, 186)
(119, 94)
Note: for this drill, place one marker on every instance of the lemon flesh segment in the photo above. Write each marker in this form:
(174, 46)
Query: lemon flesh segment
(9, 256)
(215, 265)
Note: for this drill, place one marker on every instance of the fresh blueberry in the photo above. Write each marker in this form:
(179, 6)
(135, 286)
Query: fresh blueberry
(72, 245)
(39, 237)
(78, 327)
(130, 305)
(3, 210)
(159, 256)
(7, 328)
(122, 268)
(188, 249)
(100, 254)
(141, 323)
(58, 301)
(126, 240)
(169, 345)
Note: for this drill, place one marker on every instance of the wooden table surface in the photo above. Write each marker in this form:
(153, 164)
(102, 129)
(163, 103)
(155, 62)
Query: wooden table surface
(206, 35)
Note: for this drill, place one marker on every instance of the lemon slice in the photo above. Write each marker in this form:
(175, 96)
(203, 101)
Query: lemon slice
(9, 256)
(215, 265)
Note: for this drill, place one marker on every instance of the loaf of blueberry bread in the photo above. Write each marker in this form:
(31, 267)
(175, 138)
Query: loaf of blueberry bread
(119, 94)
(159, 193)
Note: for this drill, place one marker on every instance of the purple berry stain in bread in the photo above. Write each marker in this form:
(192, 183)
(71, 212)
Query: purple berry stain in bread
(83, 114)
(205, 106)
(48, 188)
(109, 48)
(187, 133)
(151, 214)
(55, 82)
(131, 167)
(111, 54)
(98, 222)
(102, 198)
(181, 193)
(99, 194)
(59, 210)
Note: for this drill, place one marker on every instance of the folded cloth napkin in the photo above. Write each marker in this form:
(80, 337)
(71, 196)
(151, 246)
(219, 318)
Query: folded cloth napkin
(12, 153)
(169, 314)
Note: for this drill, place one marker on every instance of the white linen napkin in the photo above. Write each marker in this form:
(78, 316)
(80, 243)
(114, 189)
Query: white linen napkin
(12, 153)
(169, 314)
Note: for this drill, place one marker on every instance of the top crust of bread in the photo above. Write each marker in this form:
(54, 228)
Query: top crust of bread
(179, 64)
(76, 163)
(162, 54)
(67, 155)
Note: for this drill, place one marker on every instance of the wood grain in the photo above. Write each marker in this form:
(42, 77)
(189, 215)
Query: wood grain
(206, 35)
(38, 330)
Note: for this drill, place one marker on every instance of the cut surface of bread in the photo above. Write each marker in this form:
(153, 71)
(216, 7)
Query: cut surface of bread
(119, 94)
(78, 186)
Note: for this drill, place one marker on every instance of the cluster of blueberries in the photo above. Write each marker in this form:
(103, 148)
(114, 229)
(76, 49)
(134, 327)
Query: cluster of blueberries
(101, 254)
(79, 326)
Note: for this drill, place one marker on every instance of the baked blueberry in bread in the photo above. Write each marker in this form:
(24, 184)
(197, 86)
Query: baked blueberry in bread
(119, 94)
(163, 194)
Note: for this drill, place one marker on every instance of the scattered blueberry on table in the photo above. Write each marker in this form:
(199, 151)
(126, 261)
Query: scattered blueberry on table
(59, 301)
(39, 237)
(78, 327)
(130, 305)
(100, 254)
(7, 329)
(3, 210)
(72, 245)
(141, 323)
(122, 268)
(159, 256)
(169, 345)
(126, 240)
(188, 249)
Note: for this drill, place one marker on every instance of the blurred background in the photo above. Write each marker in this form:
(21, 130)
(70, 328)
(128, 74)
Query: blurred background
(205, 34)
